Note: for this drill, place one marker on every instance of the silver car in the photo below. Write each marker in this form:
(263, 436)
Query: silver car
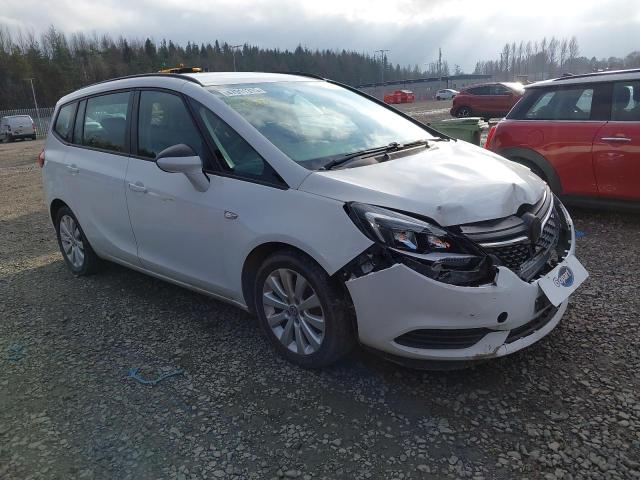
(17, 127)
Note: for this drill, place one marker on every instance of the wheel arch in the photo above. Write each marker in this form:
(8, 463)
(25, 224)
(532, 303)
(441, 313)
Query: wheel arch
(56, 204)
(259, 253)
(528, 158)
(464, 105)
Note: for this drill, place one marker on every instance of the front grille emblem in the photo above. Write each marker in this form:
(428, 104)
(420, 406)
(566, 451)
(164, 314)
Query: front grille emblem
(534, 225)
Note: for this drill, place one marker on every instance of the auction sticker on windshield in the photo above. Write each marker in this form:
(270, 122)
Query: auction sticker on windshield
(563, 280)
(238, 92)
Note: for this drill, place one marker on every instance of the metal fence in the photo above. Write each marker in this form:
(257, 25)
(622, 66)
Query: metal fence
(41, 117)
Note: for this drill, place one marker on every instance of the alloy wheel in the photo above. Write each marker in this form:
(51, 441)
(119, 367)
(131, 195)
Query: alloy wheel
(71, 240)
(293, 311)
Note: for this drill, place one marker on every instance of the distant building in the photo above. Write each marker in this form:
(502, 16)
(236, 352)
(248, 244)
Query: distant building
(424, 88)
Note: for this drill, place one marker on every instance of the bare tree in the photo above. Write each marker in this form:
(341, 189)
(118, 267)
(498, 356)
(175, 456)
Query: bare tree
(504, 58)
(574, 50)
(564, 49)
(520, 53)
(552, 52)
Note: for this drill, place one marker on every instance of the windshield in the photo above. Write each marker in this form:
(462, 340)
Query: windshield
(315, 122)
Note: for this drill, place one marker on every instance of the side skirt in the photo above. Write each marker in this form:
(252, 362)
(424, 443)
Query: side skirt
(188, 286)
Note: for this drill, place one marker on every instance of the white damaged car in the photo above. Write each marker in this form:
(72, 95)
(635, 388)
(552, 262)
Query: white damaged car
(334, 218)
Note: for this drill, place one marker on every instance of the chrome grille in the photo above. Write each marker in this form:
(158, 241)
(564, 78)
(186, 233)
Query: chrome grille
(549, 235)
(512, 255)
(525, 258)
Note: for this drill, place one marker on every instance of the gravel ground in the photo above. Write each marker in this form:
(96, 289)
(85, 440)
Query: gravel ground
(566, 408)
(427, 110)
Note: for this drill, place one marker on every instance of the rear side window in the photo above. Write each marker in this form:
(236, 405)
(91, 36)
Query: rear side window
(499, 90)
(164, 121)
(105, 122)
(484, 90)
(64, 122)
(625, 102)
(235, 154)
(562, 104)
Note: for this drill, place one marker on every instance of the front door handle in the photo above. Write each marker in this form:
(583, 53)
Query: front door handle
(137, 187)
(615, 139)
(73, 169)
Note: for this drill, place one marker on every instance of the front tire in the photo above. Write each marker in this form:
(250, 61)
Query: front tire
(302, 311)
(74, 246)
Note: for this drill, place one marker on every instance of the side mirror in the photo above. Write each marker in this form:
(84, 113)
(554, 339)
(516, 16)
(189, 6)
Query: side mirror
(181, 158)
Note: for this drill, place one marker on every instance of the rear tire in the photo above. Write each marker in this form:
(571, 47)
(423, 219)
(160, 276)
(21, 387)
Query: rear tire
(463, 112)
(74, 246)
(302, 311)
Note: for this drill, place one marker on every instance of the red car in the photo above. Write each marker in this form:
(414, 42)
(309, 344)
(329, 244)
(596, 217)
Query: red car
(581, 134)
(400, 96)
(488, 100)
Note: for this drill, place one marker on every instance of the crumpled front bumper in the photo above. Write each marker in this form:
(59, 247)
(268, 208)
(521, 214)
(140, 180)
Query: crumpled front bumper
(397, 300)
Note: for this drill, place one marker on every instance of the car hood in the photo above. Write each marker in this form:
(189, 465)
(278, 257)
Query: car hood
(452, 183)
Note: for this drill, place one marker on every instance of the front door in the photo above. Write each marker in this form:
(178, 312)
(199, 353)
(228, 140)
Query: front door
(616, 148)
(178, 229)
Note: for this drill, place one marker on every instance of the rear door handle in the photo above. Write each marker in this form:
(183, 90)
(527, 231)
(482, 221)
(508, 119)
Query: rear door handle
(137, 187)
(615, 139)
(73, 169)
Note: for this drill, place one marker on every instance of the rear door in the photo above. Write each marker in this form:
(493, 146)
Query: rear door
(24, 124)
(616, 148)
(96, 165)
(501, 100)
(17, 126)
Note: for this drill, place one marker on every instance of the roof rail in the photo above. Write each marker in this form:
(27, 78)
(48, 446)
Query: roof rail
(303, 74)
(596, 74)
(157, 74)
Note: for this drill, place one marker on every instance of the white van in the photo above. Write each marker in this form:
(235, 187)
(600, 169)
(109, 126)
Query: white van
(15, 127)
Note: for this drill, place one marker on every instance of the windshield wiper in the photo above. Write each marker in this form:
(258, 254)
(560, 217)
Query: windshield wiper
(392, 147)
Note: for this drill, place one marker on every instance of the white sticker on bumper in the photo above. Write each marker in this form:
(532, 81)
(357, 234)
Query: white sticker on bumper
(563, 280)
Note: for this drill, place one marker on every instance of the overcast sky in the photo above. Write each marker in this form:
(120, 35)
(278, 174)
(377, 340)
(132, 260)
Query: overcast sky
(467, 30)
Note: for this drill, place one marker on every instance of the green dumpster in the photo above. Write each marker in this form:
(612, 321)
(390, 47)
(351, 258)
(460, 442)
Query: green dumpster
(468, 129)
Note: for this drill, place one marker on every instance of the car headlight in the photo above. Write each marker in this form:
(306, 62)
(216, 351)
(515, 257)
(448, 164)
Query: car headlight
(400, 231)
(427, 248)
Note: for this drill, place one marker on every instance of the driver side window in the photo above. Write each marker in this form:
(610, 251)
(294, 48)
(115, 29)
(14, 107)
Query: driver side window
(234, 153)
(164, 121)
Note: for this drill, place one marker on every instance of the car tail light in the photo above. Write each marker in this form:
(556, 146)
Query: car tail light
(41, 159)
(487, 143)
(33, 125)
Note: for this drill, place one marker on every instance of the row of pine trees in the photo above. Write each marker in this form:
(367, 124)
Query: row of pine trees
(60, 63)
